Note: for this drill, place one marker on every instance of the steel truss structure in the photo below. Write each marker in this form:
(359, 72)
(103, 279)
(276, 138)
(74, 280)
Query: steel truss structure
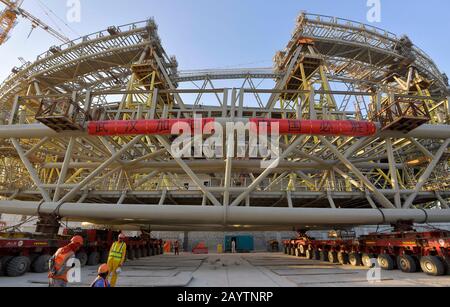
(332, 69)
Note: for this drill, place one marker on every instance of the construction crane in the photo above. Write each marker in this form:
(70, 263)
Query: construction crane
(8, 19)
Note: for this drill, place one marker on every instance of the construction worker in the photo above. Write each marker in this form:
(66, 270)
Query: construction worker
(58, 264)
(102, 279)
(176, 247)
(116, 258)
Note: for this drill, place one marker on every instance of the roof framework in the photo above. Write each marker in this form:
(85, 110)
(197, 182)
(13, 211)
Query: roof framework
(332, 69)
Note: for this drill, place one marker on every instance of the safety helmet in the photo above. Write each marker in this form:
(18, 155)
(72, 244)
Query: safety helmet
(77, 240)
(103, 269)
(122, 236)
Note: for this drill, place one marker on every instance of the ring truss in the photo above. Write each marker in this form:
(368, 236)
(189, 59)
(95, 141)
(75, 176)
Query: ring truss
(331, 69)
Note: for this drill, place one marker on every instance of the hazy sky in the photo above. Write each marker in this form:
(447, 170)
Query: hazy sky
(228, 33)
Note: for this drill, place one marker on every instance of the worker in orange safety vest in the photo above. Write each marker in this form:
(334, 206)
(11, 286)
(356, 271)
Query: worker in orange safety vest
(58, 263)
(116, 258)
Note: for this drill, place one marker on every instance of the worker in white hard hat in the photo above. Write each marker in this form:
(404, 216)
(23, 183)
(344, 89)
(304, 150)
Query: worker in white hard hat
(116, 258)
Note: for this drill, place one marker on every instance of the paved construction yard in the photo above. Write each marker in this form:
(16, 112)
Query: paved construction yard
(243, 270)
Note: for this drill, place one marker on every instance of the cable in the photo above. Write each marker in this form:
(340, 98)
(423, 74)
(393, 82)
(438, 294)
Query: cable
(14, 227)
(60, 19)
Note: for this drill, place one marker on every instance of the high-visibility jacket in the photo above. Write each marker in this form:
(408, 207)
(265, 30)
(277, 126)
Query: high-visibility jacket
(118, 252)
(101, 283)
(58, 268)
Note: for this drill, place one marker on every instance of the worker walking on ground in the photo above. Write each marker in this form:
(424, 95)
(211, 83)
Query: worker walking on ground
(116, 258)
(102, 279)
(58, 263)
(176, 247)
(233, 246)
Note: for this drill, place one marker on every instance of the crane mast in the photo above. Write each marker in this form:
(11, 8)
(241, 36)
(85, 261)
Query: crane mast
(8, 19)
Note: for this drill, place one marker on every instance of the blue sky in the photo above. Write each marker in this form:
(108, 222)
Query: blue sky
(229, 33)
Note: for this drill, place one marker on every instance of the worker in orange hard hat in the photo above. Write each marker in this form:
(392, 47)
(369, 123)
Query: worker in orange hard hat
(59, 264)
(116, 258)
(102, 279)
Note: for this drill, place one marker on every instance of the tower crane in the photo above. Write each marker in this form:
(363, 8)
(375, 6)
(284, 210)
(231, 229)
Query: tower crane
(8, 19)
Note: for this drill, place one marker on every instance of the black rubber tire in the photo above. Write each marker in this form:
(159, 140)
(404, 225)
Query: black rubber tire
(333, 257)
(355, 259)
(144, 252)
(18, 266)
(386, 262)
(407, 264)
(343, 258)
(302, 250)
(4, 262)
(367, 260)
(138, 253)
(285, 250)
(309, 254)
(315, 254)
(324, 256)
(432, 265)
(40, 264)
(131, 254)
(93, 259)
(32, 257)
(446, 265)
(104, 256)
(83, 257)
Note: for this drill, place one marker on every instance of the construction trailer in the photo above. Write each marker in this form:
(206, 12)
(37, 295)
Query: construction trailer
(363, 117)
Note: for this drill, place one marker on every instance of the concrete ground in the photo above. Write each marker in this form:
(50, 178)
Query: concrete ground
(240, 270)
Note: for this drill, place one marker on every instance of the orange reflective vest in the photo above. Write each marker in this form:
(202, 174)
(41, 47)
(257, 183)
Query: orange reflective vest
(58, 267)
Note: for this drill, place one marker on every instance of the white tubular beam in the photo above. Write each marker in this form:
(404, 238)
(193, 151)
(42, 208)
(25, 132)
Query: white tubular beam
(31, 170)
(96, 172)
(64, 169)
(443, 202)
(203, 215)
(393, 171)
(424, 178)
(267, 171)
(228, 167)
(380, 197)
(190, 173)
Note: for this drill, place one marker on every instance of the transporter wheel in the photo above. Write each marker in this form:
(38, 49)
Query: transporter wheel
(285, 250)
(333, 257)
(355, 259)
(309, 254)
(343, 258)
(432, 266)
(324, 256)
(407, 264)
(297, 252)
(104, 256)
(367, 260)
(40, 265)
(144, 252)
(18, 266)
(138, 253)
(83, 257)
(302, 249)
(315, 254)
(93, 259)
(386, 262)
(3, 263)
(131, 254)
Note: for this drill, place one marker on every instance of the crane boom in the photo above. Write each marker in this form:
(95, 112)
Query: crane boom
(8, 19)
